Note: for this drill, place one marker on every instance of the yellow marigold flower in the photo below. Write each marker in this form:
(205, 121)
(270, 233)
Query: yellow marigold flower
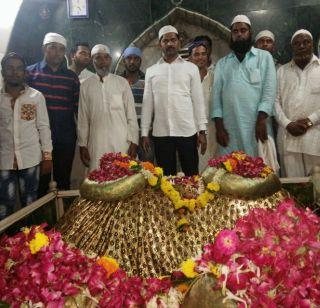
(153, 181)
(228, 166)
(196, 178)
(213, 186)
(158, 171)
(215, 271)
(124, 155)
(188, 267)
(132, 163)
(239, 156)
(40, 240)
(109, 264)
(26, 230)
(183, 221)
(179, 204)
(191, 204)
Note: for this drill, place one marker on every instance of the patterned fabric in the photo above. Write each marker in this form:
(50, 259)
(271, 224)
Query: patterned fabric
(26, 180)
(61, 91)
(141, 234)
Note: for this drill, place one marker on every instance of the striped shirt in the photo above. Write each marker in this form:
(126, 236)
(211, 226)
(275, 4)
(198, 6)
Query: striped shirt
(137, 89)
(61, 91)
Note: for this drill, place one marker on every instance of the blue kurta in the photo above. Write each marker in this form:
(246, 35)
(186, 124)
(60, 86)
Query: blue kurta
(240, 91)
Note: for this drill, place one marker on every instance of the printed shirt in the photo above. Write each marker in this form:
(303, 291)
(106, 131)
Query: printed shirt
(24, 129)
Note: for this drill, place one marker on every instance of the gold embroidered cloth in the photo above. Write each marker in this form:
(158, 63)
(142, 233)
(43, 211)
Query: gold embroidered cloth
(140, 232)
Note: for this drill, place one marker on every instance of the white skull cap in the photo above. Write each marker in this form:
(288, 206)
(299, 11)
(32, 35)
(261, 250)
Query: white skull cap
(100, 48)
(301, 31)
(265, 33)
(167, 29)
(241, 18)
(52, 37)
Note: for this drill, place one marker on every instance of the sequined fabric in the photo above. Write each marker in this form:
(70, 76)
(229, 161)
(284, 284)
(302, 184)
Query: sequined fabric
(140, 232)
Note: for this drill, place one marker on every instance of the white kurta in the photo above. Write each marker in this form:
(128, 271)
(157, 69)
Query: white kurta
(207, 84)
(298, 98)
(107, 120)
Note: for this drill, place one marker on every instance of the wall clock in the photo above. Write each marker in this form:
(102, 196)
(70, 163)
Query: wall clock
(78, 8)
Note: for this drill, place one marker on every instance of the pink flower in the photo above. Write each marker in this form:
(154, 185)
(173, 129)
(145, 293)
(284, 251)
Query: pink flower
(226, 243)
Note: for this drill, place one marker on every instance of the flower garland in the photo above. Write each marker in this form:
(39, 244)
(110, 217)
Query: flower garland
(270, 259)
(242, 164)
(38, 268)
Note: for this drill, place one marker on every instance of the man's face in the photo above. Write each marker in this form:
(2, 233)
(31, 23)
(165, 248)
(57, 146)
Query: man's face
(14, 72)
(54, 53)
(302, 47)
(199, 56)
(170, 44)
(101, 63)
(82, 56)
(265, 43)
(132, 63)
(240, 31)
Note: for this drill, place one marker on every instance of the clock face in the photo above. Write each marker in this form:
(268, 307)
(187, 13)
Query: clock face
(78, 8)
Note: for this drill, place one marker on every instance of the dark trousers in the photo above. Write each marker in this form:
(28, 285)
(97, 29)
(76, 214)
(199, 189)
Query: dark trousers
(26, 180)
(62, 159)
(165, 152)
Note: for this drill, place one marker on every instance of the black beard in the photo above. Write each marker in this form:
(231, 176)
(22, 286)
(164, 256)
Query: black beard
(241, 47)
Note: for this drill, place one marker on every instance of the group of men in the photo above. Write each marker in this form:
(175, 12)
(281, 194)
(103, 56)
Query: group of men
(179, 109)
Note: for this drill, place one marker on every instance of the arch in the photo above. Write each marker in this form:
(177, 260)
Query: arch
(189, 24)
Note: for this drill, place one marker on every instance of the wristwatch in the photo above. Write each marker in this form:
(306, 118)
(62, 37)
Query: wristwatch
(309, 123)
(202, 132)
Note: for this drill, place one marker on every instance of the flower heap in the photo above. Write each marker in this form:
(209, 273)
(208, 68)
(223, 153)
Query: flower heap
(37, 267)
(270, 259)
(114, 166)
(242, 164)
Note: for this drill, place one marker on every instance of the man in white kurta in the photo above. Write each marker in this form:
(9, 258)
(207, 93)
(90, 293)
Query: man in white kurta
(107, 120)
(298, 108)
(198, 54)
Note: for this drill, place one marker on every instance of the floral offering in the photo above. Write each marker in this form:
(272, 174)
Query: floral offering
(114, 166)
(242, 164)
(270, 259)
(37, 267)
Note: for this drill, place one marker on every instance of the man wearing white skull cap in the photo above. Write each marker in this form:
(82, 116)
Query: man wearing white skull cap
(298, 109)
(244, 92)
(173, 97)
(60, 87)
(107, 119)
(265, 40)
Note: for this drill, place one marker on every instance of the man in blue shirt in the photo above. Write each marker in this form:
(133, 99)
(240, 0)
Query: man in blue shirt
(60, 87)
(244, 92)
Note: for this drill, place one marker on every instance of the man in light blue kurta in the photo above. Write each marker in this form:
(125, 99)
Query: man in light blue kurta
(244, 93)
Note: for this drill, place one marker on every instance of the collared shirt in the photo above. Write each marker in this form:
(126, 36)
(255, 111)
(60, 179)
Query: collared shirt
(61, 91)
(137, 91)
(107, 119)
(173, 93)
(24, 129)
(240, 91)
(299, 98)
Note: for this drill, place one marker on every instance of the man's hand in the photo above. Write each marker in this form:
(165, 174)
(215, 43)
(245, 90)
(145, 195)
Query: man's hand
(297, 128)
(146, 144)
(85, 156)
(202, 142)
(45, 167)
(261, 127)
(221, 132)
(132, 151)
